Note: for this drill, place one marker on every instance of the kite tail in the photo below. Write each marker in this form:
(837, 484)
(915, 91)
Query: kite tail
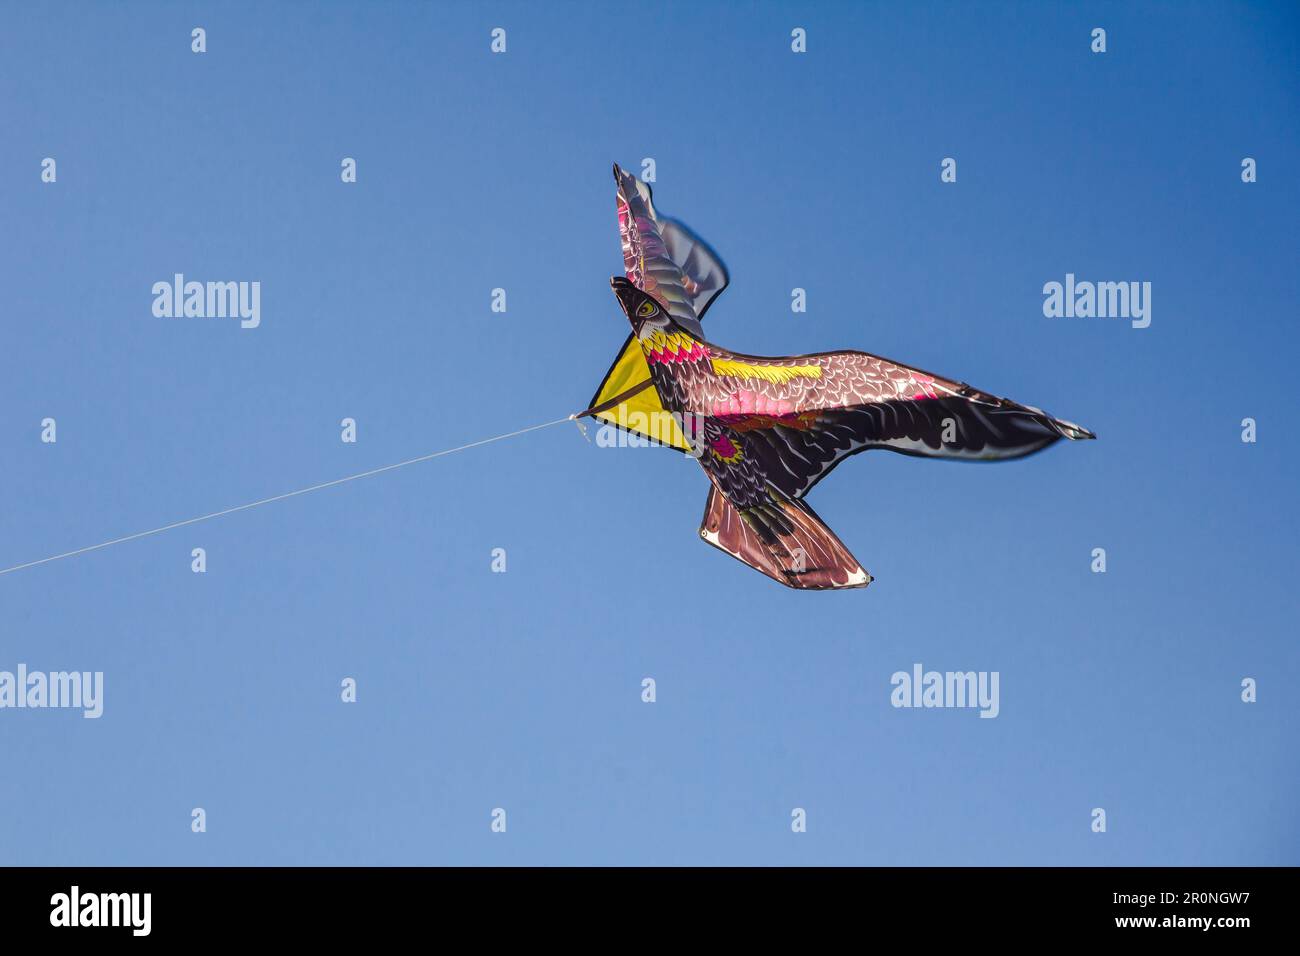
(785, 540)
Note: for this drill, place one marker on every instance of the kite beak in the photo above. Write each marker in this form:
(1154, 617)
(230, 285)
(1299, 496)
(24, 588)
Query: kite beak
(624, 291)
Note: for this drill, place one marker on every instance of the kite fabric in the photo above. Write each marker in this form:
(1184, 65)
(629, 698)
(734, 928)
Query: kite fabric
(767, 429)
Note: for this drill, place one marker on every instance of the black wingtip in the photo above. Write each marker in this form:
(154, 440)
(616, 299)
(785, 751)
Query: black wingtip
(1072, 431)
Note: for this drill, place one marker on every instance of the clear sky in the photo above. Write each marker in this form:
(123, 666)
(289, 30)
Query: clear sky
(522, 690)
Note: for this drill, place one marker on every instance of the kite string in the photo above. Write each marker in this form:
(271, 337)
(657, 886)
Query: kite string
(290, 494)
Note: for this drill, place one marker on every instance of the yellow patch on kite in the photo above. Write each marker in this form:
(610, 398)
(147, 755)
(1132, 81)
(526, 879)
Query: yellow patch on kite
(677, 342)
(643, 413)
(777, 374)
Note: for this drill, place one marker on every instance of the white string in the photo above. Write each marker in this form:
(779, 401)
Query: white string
(288, 494)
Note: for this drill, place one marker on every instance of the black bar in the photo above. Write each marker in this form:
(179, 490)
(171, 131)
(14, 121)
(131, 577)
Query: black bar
(376, 904)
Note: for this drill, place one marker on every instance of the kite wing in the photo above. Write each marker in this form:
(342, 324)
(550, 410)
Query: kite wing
(803, 415)
(774, 427)
(663, 258)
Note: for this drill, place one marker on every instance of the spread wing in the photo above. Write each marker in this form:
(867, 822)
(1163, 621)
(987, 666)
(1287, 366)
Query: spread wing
(663, 258)
(801, 416)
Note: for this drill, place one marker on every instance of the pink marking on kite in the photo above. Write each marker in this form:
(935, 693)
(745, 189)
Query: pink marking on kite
(723, 446)
(924, 386)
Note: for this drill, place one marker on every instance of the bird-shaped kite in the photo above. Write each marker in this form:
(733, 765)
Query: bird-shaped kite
(766, 430)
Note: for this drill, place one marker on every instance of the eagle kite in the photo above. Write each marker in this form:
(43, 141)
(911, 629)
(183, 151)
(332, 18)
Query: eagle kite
(766, 430)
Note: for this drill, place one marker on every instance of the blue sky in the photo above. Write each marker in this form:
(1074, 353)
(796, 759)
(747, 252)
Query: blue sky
(522, 690)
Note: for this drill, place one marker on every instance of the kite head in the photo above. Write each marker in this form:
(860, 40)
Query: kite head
(645, 312)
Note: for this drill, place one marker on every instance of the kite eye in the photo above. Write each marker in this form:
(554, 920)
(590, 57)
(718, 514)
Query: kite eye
(646, 310)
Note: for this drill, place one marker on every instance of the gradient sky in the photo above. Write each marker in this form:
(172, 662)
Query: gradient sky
(522, 690)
